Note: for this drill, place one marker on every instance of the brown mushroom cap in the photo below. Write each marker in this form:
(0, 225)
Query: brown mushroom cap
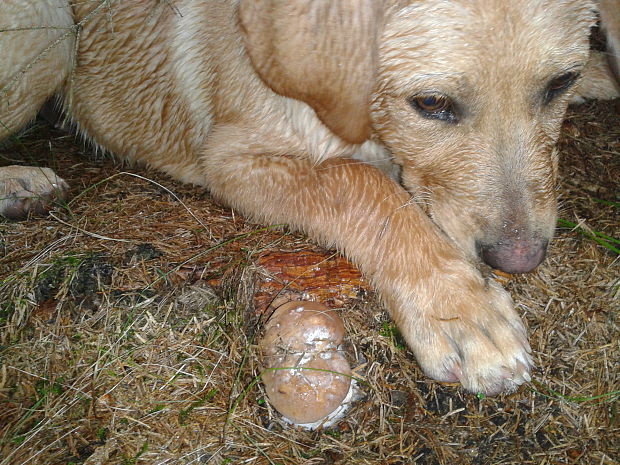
(303, 326)
(306, 376)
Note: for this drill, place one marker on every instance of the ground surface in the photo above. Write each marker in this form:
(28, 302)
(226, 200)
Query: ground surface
(127, 331)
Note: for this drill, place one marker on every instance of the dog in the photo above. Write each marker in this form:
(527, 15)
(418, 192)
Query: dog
(416, 137)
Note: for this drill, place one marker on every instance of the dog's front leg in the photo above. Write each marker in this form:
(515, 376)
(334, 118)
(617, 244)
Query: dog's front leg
(461, 327)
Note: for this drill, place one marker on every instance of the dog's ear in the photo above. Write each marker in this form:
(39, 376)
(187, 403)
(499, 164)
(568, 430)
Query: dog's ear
(322, 52)
(609, 12)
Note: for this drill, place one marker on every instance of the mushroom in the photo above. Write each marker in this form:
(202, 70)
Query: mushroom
(306, 375)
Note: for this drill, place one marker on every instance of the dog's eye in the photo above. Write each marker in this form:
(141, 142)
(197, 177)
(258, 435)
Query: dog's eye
(434, 107)
(432, 103)
(559, 85)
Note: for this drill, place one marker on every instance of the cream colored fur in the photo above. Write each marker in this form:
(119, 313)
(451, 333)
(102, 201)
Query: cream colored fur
(281, 109)
(610, 22)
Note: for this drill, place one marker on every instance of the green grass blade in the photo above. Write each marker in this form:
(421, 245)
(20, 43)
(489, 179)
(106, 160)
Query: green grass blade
(602, 239)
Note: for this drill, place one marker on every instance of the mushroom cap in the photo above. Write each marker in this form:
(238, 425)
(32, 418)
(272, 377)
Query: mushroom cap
(302, 327)
(311, 391)
(306, 375)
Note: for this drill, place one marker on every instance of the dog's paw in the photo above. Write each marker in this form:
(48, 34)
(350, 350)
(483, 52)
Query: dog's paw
(472, 335)
(26, 190)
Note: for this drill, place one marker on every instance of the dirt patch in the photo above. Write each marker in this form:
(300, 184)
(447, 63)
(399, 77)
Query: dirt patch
(128, 325)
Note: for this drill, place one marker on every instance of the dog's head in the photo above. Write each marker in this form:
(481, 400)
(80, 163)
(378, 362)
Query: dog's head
(468, 96)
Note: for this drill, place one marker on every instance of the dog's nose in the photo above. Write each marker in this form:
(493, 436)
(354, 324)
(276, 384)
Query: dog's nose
(514, 255)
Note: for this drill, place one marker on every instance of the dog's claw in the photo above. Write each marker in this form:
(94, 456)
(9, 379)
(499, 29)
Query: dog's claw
(457, 371)
(453, 372)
